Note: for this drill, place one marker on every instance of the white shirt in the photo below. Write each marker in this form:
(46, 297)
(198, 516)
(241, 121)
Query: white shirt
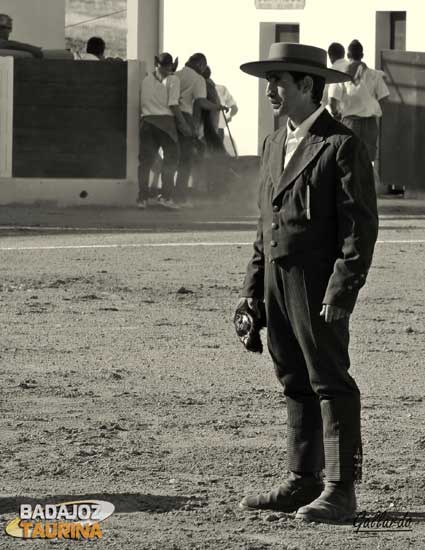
(361, 100)
(295, 136)
(86, 57)
(339, 65)
(192, 86)
(157, 96)
(225, 99)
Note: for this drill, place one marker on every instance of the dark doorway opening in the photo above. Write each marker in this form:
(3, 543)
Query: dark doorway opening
(390, 33)
(288, 32)
(398, 30)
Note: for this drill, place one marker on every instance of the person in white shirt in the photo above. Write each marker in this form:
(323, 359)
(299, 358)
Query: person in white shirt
(227, 100)
(358, 103)
(96, 47)
(193, 97)
(161, 116)
(336, 54)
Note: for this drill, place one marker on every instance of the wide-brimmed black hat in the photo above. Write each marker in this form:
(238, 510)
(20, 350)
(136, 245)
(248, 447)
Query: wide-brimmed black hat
(287, 56)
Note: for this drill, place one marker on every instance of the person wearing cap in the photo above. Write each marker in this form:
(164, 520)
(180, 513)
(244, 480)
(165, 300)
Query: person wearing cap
(315, 239)
(161, 116)
(6, 27)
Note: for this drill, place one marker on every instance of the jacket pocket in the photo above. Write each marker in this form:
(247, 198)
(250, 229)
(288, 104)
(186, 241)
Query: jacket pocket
(307, 202)
(307, 191)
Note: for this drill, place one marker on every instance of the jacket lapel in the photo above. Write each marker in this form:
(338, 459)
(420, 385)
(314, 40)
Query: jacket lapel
(305, 153)
(277, 148)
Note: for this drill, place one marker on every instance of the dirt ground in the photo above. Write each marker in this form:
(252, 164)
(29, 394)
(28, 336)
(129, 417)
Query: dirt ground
(123, 380)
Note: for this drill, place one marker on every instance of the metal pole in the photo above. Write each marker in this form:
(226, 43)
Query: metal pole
(230, 134)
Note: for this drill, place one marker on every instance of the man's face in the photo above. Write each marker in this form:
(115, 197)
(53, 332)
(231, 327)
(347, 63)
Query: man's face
(285, 95)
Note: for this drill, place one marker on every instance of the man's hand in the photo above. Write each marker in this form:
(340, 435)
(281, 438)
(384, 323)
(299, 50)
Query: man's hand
(333, 313)
(184, 129)
(252, 303)
(248, 323)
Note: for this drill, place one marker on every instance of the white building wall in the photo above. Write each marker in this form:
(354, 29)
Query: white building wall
(143, 33)
(228, 33)
(38, 22)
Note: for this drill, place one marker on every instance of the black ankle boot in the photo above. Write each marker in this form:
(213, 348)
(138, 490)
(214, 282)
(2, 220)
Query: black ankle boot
(336, 504)
(296, 491)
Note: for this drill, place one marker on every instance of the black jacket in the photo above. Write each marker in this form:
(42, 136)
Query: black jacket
(322, 206)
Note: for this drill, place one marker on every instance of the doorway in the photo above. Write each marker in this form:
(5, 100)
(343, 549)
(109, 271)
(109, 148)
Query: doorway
(288, 32)
(390, 33)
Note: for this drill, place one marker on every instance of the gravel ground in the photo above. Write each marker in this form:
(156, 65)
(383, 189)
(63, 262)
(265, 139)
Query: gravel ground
(123, 380)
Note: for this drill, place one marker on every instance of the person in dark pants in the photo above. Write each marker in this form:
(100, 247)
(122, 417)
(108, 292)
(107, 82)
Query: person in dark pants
(193, 99)
(161, 116)
(316, 234)
(358, 103)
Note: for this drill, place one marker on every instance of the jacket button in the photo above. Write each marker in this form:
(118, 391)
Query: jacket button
(276, 208)
(273, 243)
(275, 225)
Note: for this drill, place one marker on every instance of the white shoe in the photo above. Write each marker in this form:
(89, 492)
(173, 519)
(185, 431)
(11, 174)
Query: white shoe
(167, 203)
(141, 204)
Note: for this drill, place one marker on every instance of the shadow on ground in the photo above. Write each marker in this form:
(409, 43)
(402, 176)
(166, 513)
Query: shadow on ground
(125, 503)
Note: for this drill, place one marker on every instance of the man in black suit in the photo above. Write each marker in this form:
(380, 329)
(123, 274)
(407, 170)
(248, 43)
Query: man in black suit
(316, 234)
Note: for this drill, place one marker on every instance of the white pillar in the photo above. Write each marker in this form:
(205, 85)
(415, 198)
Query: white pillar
(143, 30)
(6, 116)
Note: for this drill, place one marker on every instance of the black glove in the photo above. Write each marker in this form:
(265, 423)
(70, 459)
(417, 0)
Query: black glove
(248, 326)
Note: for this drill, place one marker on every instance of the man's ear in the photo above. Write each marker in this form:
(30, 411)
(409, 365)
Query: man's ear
(307, 83)
(156, 61)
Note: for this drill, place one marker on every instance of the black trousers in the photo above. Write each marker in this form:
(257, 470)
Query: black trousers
(311, 362)
(367, 130)
(187, 152)
(151, 139)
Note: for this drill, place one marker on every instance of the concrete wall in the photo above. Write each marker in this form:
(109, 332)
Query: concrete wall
(229, 34)
(39, 22)
(66, 191)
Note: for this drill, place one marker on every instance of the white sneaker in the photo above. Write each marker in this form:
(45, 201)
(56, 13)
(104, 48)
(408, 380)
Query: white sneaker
(141, 204)
(171, 204)
(167, 203)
